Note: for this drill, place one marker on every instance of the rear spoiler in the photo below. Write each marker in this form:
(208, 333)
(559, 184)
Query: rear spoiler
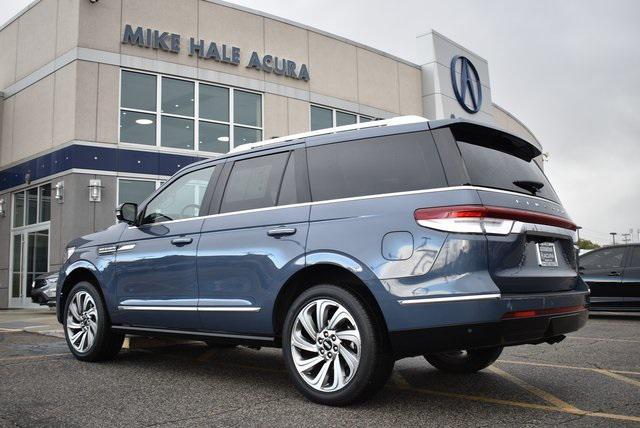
(488, 136)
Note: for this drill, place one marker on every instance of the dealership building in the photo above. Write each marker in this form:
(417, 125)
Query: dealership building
(102, 101)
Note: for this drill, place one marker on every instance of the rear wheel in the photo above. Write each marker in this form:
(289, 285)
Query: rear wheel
(469, 361)
(332, 349)
(86, 325)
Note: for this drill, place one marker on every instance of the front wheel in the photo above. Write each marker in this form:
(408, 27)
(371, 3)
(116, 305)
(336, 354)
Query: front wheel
(332, 348)
(86, 325)
(469, 361)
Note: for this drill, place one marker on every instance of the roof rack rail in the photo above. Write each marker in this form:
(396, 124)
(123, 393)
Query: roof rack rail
(399, 120)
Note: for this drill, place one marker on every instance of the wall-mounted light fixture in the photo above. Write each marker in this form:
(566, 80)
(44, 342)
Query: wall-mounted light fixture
(95, 190)
(2, 210)
(59, 192)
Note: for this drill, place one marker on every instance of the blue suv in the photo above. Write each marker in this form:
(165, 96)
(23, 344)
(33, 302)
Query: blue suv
(349, 248)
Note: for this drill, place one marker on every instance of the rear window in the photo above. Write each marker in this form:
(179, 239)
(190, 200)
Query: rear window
(388, 164)
(489, 167)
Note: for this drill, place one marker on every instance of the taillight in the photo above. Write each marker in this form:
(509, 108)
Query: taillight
(483, 219)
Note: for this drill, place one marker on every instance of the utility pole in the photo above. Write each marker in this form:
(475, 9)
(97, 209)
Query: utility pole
(613, 236)
(626, 237)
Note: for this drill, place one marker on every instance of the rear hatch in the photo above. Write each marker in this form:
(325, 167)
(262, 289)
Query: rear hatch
(538, 255)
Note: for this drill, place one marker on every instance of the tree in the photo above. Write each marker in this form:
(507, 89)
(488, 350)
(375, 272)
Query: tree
(585, 244)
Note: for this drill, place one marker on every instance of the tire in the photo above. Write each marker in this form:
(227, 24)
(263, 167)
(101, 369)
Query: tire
(469, 361)
(369, 364)
(85, 316)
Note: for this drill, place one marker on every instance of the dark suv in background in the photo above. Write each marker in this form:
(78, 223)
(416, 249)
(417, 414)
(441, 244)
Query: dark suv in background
(349, 248)
(613, 274)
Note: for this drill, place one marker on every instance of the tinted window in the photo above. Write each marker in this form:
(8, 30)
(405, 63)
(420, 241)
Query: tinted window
(138, 91)
(345, 118)
(635, 257)
(254, 183)
(393, 163)
(181, 199)
(603, 259)
(493, 168)
(177, 96)
(247, 108)
(288, 190)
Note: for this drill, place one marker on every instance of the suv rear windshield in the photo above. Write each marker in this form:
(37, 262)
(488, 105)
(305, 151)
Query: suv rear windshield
(393, 163)
(489, 167)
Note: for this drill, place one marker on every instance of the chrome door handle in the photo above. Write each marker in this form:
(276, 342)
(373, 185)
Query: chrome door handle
(282, 231)
(181, 241)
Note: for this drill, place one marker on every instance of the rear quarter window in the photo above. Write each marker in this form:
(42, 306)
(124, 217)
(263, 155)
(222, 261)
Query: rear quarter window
(388, 164)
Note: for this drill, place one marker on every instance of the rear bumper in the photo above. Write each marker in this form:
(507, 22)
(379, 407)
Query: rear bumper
(472, 336)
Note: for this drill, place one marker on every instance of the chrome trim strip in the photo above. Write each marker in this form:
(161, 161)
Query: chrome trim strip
(192, 333)
(126, 247)
(190, 308)
(107, 250)
(450, 299)
(359, 198)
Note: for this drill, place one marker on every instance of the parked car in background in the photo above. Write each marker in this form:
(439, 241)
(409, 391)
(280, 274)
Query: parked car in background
(43, 289)
(349, 247)
(613, 275)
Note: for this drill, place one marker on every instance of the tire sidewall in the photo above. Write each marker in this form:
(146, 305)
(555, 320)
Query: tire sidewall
(368, 347)
(102, 325)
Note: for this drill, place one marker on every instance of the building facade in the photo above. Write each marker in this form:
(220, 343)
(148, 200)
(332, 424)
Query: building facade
(103, 101)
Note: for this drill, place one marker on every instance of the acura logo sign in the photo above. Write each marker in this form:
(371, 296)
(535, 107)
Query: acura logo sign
(466, 84)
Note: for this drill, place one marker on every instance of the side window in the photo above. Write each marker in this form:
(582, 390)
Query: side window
(635, 257)
(181, 199)
(294, 189)
(254, 183)
(388, 164)
(603, 259)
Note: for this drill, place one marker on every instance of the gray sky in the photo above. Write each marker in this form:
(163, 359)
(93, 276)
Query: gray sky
(570, 70)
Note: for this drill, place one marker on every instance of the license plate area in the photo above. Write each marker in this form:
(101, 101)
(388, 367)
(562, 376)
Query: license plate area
(547, 255)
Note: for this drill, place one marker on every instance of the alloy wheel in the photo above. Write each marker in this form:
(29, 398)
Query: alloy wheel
(325, 345)
(82, 321)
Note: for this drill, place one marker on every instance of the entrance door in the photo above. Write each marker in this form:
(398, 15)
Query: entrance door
(30, 259)
(29, 242)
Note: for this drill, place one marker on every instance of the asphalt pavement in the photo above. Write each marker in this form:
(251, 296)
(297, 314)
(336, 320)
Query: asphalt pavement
(590, 379)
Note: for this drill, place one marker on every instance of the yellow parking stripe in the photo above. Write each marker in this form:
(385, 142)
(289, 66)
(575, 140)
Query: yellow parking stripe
(562, 366)
(603, 339)
(32, 357)
(618, 377)
(549, 398)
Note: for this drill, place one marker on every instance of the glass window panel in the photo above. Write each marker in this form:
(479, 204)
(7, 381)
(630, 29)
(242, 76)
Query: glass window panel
(254, 183)
(603, 259)
(17, 266)
(321, 118)
(18, 209)
(214, 137)
(214, 103)
(372, 166)
(247, 108)
(245, 135)
(364, 119)
(288, 190)
(134, 191)
(177, 133)
(177, 97)
(138, 128)
(45, 202)
(138, 91)
(181, 199)
(32, 206)
(37, 256)
(345, 118)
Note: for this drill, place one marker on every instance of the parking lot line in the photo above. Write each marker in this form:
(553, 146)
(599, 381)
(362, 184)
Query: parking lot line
(546, 396)
(619, 377)
(32, 357)
(562, 366)
(604, 339)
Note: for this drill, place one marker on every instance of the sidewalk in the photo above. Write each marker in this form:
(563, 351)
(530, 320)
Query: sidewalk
(42, 321)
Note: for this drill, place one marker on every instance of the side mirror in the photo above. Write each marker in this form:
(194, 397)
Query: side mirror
(127, 212)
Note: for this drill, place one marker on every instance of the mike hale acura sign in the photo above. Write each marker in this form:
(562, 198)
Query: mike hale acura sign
(171, 42)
